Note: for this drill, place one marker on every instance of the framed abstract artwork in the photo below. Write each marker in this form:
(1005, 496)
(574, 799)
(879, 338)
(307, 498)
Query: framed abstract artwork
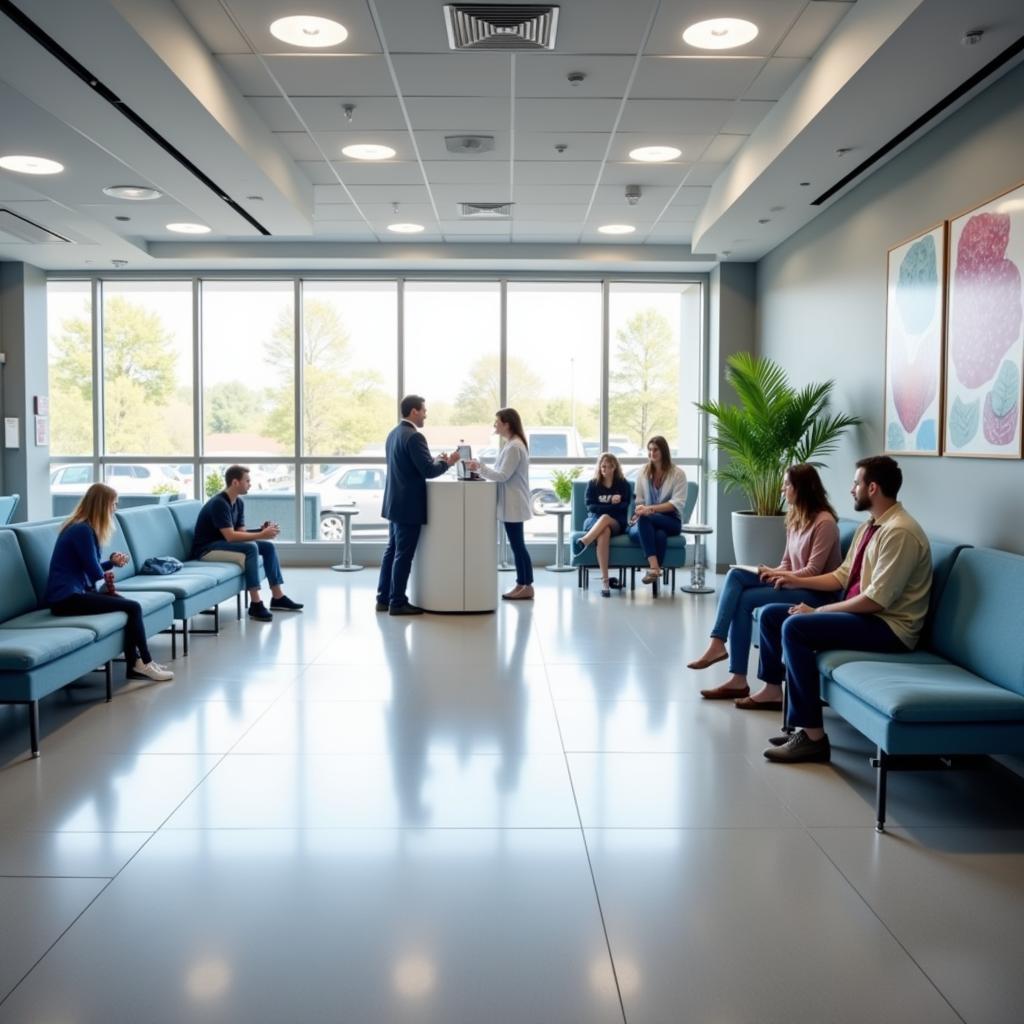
(914, 317)
(985, 330)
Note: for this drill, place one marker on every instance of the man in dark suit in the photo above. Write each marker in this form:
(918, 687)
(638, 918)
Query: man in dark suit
(405, 503)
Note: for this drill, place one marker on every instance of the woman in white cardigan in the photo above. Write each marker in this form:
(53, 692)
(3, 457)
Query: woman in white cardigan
(512, 473)
(660, 501)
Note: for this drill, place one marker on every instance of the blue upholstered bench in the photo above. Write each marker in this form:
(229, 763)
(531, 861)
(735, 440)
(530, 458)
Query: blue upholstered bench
(624, 553)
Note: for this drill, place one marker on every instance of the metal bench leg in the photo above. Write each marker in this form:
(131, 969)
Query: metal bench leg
(184, 637)
(238, 606)
(880, 762)
(108, 671)
(33, 726)
(174, 639)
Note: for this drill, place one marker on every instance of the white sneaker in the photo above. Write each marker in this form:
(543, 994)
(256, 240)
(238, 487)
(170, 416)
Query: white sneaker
(152, 670)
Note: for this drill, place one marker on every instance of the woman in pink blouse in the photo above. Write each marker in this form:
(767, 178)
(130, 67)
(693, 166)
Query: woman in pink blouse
(812, 548)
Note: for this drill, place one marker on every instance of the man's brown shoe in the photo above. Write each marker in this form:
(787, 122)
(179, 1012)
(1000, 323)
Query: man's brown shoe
(725, 693)
(749, 704)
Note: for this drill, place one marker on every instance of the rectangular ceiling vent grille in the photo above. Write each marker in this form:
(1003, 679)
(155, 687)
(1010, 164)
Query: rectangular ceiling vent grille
(501, 26)
(485, 211)
(19, 229)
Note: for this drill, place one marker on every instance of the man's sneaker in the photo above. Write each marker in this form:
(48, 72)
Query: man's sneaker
(782, 737)
(150, 670)
(285, 604)
(260, 612)
(799, 747)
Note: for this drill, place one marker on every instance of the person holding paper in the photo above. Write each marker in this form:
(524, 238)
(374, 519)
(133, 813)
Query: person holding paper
(812, 549)
(511, 471)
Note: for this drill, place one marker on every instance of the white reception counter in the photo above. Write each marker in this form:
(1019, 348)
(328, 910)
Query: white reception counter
(456, 564)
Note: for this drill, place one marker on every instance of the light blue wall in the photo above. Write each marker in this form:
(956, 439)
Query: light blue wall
(821, 306)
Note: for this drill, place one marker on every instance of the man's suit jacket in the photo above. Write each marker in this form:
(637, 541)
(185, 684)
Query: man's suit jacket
(409, 468)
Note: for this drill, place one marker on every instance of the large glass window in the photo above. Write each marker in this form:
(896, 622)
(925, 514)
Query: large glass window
(453, 358)
(69, 326)
(248, 368)
(270, 500)
(654, 365)
(147, 368)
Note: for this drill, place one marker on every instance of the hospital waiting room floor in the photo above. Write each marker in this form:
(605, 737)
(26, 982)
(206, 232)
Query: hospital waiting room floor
(529, 816)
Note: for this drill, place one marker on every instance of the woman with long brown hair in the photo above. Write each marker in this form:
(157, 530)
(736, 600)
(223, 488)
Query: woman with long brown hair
(511, 471)
(607, 503)
(812, 548)
(660, 500)
(75, 569)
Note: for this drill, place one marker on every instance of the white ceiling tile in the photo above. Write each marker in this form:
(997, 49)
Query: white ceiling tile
(299, 145)
(422, 213)
(466, 171)
(553, 172)
(778, 75)
(547, 226)
(708, 78)
(403, 194)
(469, 228)
(579, 145)
(336, 211)
(255, 16)
(548, 212)
(646, 175)
(325, 194)
(704, 173)
(580, 114)
(318, 171)
(691, 196)
(442, 74)
(387, 172)
(746, 116)
(545, 74)
(575, 195)
(344, 232)
(668, 234)
(275, 113)
(690, 116)
(723, 148)
(652, 198)
(372, 113)
(812, 28)
(677, 214)
(451, 195)
(458, 114)
(310, 74)
(213, 26)
(432, 147)
(772, 17)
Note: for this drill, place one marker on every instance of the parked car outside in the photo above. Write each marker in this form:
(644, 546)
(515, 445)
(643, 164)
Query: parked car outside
(125, 478)
(361, 487)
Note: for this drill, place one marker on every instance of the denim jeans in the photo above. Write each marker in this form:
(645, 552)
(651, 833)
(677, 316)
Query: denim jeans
(253, 550)
(742, 593)
(790, 645)
(524, 567)
(652, 533)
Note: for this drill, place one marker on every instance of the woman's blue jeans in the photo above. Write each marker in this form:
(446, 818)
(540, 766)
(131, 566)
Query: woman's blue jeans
(652, 533)
(742, 593)
(516, 541)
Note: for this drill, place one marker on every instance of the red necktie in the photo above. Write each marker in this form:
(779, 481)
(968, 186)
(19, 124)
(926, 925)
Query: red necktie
(853, 587)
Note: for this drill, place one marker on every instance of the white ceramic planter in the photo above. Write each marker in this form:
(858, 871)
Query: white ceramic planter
(758, 540)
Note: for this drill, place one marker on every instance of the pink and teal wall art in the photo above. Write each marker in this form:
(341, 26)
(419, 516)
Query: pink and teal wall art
(913, 344)
(985, 330)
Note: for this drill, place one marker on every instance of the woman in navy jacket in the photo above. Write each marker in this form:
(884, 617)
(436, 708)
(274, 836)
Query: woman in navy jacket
(75, 569)
(607, 502)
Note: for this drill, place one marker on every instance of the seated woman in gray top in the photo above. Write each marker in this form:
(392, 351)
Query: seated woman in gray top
(607, 502)
(812, 548)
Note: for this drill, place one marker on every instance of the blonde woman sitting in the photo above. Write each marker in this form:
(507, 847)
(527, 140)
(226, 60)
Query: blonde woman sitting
(607, 502)
(660, 501)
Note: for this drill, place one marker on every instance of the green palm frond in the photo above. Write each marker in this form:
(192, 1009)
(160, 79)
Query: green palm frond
(773, 426)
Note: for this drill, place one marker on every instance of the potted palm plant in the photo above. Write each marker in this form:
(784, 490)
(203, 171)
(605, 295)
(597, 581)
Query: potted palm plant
(774, 426)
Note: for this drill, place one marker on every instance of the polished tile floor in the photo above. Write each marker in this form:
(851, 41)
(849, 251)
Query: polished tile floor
(521, 817)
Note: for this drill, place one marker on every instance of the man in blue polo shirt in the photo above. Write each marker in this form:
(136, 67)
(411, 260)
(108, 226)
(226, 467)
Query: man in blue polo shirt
(221, 528)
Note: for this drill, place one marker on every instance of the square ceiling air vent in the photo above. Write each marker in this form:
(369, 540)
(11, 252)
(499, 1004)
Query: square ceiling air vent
(14, 227)
(485, 211)
(501, 26)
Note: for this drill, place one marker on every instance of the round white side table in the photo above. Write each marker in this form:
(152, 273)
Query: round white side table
(346, 559)
(561, 511)
(697, 585)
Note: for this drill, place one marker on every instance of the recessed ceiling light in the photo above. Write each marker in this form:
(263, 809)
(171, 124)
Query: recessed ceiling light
(136, 193)
(30, 165)
(616, 229)
(189, 229)
(720, 33)
(406, 229)
(310, 31)
(655, 154)
(368, 151)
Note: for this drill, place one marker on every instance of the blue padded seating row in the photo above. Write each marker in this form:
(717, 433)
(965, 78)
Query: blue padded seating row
(624, 552)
